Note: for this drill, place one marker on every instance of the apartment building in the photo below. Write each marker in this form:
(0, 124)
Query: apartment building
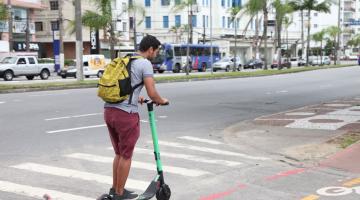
(21, 11)
(47, 21)
(163, 20)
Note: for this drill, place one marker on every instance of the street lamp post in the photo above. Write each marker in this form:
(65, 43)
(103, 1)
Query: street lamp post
(211, 46)
(79, 41)
(10, 26)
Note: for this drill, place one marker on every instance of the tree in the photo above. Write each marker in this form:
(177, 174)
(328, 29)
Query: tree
(136, 9)
(281, 10)
(3, 11)
(332, 32)
(355, 42)
(319, 37)
(234, 11)
(4, 14)
(287, 22)
(179, 30)
(187, 4)
(101, 19)
(298, 5)
(314, 5)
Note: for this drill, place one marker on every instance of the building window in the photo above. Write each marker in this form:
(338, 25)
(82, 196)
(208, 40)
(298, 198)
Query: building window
(124, 26)
(229, 22)
(177, 2)
(207, 21)
(315, 25)
(194, 20)
(147, 3)
(223, 3)
(147, 22)
(228, 3)
(166, 21)
(223, 22)
(177, 20)
(165, 2)
(315, 14)
(54, 5)
(54, 25)
(39, 26)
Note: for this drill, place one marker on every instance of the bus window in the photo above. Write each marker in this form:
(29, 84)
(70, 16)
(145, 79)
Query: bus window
(169, 53)
(177, 51)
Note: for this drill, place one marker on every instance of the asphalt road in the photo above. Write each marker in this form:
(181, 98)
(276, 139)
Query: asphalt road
(55, 141)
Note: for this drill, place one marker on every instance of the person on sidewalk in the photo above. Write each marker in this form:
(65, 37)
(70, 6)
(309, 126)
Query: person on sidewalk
(122, 119)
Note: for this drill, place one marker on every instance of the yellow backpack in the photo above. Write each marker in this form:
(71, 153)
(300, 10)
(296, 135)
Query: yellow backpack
(115, 84)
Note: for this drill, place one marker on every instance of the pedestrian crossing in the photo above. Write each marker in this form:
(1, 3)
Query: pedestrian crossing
(196, 160)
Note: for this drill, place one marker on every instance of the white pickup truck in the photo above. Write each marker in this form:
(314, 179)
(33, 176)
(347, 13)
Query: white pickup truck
(14, 66)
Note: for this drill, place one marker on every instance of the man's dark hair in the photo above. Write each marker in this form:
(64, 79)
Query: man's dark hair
(149, 41)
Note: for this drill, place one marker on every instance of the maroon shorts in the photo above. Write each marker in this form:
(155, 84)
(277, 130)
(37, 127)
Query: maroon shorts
(124, 130)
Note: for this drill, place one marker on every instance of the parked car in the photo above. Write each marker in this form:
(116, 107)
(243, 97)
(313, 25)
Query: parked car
(14, 66)
(238, 63)
(223, 64)
(254, 64)
(69, 71)
(317, 61)
(285, 63)
(296, 61)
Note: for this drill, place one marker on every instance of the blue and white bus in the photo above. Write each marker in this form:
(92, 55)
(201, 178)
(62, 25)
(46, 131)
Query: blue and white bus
(172, 57)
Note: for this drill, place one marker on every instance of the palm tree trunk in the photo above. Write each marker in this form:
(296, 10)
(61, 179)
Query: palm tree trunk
(308, 39)
(235, 48)
(265, 36)
(257, 37)
(112, 42)
(278, 32)
(321, 52)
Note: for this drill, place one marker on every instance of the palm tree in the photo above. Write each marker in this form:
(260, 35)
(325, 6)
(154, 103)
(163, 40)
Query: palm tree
(234, 11)
(319, 37)
(3, 12)
(288, 20)
(253, 8)
(314, 5)
(187, 4)
(332, 32)
(281, 10)
(355, 42)
(101, 19)
(298, 5)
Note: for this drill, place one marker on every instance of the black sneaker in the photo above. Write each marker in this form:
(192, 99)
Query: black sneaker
(112, 191)
(125, 195)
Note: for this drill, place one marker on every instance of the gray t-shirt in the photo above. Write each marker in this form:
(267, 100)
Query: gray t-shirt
(140, 68)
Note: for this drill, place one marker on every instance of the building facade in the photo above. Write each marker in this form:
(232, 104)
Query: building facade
(22, 12)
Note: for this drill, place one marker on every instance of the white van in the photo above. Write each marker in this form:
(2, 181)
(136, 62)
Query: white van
(94, 65)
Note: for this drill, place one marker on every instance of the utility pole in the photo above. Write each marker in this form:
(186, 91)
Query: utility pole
(337, 57)
(211, 47)
(27, 33)
(10, 26)
(61, 32)
(79, 41)
(134, 28)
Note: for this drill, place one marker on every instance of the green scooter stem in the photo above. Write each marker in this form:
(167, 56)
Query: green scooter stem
(154, 135)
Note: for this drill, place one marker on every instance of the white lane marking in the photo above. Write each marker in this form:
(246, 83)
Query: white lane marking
(200, 140)
(140, 165)
(1, 102)
(209, 150)
(42, 95)
(282, 91)
(145, 121)
(189, 157)
(162, 117)
(70, 173)
(336, 104)
(73, 116)
(75, 129)
(36, 192)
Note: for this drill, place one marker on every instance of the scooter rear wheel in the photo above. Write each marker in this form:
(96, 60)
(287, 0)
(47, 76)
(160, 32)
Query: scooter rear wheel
(163, 193)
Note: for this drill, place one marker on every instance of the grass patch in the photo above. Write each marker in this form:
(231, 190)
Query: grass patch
(6, 88)
(346, 139)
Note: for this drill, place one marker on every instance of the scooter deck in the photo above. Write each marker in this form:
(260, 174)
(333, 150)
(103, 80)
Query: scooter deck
(150, 191)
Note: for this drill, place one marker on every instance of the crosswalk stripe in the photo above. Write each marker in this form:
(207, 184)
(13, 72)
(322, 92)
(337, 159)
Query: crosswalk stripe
(209, 150)
(200, 140)
(36, 192)
(190, 157)
(77, 128)
(63, 172)
(140, 165)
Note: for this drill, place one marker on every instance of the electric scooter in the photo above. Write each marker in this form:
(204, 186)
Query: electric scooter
(157, 186)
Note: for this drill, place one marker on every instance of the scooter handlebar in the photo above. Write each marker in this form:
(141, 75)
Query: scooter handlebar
(149, 101)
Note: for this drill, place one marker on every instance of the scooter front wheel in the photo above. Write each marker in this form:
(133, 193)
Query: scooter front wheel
(163, 193)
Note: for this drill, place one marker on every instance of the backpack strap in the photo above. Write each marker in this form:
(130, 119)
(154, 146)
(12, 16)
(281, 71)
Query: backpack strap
(128, 67)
